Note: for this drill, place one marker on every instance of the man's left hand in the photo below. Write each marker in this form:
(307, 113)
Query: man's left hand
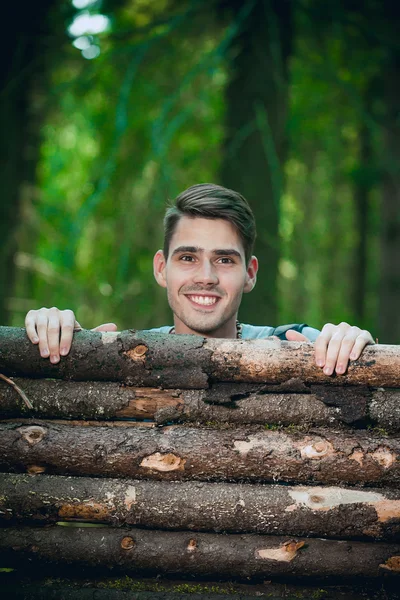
(336, 345)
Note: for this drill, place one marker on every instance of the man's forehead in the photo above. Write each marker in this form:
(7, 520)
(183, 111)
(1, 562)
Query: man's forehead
(206, 234)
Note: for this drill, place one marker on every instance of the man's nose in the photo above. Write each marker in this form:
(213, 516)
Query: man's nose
(206, 274)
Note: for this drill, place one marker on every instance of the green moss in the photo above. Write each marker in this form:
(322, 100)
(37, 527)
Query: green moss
(318, 594)
(271, 426)
(378, 430)
(127, 583)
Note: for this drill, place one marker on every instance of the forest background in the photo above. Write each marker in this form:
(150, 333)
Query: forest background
(110, 108)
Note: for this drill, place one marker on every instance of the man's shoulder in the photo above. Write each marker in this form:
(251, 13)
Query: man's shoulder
(163, 329)
(253, 332)
(259, 332)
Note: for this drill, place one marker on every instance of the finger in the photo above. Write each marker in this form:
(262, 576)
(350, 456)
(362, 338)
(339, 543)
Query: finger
(321, 344)
(333, 351)
(106, 327)
(346, 348)
(363, 339)
(295, 336)
(53, 335)
(67, 321)
(30, 326)
(42, 320)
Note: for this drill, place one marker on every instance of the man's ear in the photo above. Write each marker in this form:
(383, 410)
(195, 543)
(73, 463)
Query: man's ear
(159, 264)
(251, 275)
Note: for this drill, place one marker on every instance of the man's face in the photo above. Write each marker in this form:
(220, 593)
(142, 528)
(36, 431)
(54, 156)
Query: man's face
(205, 276)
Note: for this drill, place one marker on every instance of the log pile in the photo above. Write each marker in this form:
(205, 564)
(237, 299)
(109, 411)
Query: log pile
(210, 458)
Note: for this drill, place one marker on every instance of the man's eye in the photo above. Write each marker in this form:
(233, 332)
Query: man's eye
(225, 260)
(187, 258)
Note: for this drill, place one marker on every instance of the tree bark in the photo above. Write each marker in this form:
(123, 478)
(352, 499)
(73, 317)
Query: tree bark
(27, 48)
(199, 554)
(180, 453)
(335, 512)
(221, 403)
(189, 361)
(389, 288)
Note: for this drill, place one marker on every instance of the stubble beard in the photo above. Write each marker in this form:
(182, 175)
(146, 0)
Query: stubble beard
(203, 322)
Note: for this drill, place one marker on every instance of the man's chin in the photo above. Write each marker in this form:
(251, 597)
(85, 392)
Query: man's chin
(204, 325)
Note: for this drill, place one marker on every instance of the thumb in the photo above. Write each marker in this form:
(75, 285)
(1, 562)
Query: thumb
(295, 336)
(106, 327)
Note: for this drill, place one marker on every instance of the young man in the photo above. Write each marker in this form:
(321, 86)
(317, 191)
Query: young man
(206, 265)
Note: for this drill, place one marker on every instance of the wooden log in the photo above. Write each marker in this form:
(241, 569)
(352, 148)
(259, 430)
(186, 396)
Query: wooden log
(179, 453)
(188, 361)
(199, 554)
(222, 403)
(334, 512)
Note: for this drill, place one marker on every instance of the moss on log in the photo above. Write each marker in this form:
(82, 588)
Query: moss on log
(334, 512)
(181, 453)
(188, 361)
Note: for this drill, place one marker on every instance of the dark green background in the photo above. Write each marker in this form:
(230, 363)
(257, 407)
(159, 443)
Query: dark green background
(294, 104)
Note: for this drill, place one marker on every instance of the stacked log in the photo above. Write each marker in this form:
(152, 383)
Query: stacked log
(199, 457)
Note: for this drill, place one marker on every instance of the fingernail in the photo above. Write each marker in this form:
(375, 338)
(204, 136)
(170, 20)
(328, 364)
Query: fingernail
(339, 369)
(353, 356)
(320, 362)
(45, 352)
(54, 359)
(35, 339)
(63, 351)
(327, 371)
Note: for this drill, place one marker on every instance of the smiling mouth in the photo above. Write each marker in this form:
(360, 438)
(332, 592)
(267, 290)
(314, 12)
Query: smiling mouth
(203, 300)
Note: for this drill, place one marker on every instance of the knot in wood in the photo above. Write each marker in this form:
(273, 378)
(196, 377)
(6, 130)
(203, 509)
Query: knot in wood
(192, 545)
(319, 447)
(316, 499)
(293, 546)
(164, 462)
(35, 469)
(127, 543)
(392, 564)
(32, 434)
(140, 350)
(317, 450)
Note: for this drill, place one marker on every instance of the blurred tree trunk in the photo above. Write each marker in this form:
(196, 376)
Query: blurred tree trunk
(24, 51)
(255, 148)
(361, 201)
(389, 321)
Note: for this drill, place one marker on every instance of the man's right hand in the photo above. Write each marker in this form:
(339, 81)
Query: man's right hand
(53, 330)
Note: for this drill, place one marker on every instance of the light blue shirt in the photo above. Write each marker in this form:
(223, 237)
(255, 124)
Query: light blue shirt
(253, 332)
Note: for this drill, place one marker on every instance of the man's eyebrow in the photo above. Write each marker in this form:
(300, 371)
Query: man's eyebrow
(191, 249)
(227, 252)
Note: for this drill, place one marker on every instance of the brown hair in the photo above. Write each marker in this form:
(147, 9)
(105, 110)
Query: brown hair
(211, 201)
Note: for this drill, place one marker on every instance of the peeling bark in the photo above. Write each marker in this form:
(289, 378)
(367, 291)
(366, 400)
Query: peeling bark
(221, 403)
(181, 453)
(199, 554)
(189, 362)
(316, 511)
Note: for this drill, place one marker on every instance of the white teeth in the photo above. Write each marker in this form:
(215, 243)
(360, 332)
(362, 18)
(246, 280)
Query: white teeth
(205, 300)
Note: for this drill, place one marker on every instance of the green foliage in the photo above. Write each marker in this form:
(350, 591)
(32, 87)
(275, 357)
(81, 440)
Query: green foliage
(125, 132)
